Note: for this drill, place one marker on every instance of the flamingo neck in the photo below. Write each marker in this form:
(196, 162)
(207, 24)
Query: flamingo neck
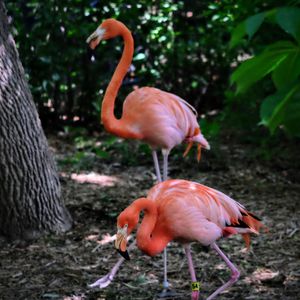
(151, 239)
(110, 122)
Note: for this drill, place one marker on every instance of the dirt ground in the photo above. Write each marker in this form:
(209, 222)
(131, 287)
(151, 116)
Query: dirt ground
(61, 266)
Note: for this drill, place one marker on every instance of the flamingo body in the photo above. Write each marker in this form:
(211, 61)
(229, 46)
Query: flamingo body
(186, 211)
(161, 119)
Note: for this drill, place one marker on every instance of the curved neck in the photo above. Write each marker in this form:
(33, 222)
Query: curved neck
(151, 238)
(110, 122)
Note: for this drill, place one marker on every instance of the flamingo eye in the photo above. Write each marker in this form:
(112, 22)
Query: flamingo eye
(122, 227)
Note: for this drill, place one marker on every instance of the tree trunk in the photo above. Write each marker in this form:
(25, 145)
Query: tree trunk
(30, 193)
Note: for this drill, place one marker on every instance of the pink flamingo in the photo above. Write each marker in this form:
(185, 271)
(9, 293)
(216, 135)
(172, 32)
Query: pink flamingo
(160, 119)
(186, 211)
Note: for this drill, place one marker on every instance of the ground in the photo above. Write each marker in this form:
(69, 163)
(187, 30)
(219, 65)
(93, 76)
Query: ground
(96, 190)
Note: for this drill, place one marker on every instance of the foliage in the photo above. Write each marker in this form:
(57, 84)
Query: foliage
(181, 46)
(91, 149)
(281, 60)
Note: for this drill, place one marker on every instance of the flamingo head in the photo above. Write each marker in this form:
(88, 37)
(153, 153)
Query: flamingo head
(201, 143)
(127, 221)
(108, 29)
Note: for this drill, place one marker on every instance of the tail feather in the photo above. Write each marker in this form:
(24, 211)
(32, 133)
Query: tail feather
(251, 214)
(247, 239)
(254, 224)
(248, 224)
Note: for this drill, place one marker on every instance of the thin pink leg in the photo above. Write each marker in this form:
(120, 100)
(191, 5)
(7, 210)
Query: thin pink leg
(165, 282)
(156, 165)
(165, 171)
(165, 292)
(235, 274)
(106, 280)
(165, 163)
(165, 177)
(187, 248)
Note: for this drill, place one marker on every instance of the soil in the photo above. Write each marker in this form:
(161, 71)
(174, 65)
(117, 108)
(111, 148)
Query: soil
(97, 189)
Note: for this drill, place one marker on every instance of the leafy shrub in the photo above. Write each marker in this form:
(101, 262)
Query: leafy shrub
(180, 46)
(281, 60)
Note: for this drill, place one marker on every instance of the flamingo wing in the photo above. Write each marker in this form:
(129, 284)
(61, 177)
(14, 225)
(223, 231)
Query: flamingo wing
(193, 211)
(163, 119)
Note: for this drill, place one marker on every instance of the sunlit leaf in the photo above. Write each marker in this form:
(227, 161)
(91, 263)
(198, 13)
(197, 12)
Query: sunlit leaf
(45, 59)
(63, 87)
(140, 56)
(55, 77)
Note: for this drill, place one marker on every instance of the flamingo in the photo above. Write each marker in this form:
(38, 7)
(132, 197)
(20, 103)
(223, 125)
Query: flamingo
(158, 118)
(186, 211)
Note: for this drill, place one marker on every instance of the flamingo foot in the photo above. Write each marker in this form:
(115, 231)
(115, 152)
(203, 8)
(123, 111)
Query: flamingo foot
(195, 295)
(103, 282)
(166, 293)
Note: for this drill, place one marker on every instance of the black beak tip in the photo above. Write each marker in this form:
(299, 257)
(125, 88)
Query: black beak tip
(124, 254)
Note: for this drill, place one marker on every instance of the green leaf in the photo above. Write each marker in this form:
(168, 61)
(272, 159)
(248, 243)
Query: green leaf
(288, 70)
(257, 67)
(101, 153)
(288, 18)
(248, 27)
(274, 109)
(253, 23)
(238, 33)
(292, 119)
(46, 59)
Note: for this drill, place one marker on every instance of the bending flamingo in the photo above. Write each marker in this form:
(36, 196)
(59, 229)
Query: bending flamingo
(160, 119)
(186, 211)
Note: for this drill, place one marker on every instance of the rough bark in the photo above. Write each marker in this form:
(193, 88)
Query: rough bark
(30, 193)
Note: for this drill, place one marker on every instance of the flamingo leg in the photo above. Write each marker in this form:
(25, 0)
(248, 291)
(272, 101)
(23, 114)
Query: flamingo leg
(106, 280)
(165, 282)
(235, 274)
(156, 165)
(166, 292)
(165, 163)
(188, 148)
(165, 177)
(195, 293)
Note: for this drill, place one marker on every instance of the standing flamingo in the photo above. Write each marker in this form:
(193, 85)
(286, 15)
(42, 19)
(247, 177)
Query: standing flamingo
(162, 120)
(186, 211)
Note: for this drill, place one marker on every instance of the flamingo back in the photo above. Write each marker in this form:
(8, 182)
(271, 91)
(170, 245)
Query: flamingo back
(192, 211)
(163, 119)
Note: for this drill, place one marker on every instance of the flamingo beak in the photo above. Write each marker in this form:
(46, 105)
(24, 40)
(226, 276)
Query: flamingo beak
(121, 242)
(94, 39)
(202, 141)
